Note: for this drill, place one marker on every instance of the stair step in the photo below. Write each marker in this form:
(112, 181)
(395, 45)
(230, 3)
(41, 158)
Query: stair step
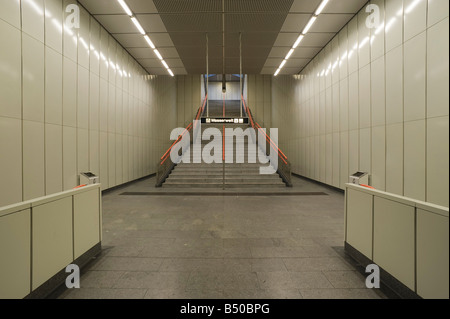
(220, 185)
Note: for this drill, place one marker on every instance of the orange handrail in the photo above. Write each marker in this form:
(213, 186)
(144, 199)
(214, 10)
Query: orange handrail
(187, 129)
(268, 139)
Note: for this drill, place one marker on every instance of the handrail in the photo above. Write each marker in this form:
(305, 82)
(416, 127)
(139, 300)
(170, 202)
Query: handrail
(166, 166)
(283, 170)
(271, 142)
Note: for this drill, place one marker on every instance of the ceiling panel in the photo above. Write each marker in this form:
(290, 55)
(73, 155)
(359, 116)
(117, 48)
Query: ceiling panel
(117, 23)
(330, 22)
(102, 6)
(344, 6)
(141, 6)
(131, 40)
(302, 6)
(178, 28)
(317, 39)
(295, 22)
(286, 39)
(151, 22)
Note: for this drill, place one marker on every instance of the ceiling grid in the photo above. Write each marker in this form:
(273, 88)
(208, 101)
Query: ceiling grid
(178, 30)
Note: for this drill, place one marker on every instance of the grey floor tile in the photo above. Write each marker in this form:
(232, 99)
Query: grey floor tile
(100, 279)
(262, 294)
(267, 265)
(319, 251)
(316, 264)
(248, 242)
(123, 251)
(129, 264)
(278, 252)
(346, 279)
(105, 293)
(205, 280)
(275, 280)
(183, 294)
(192, 264)
(313, 279)
(153, 280)
(339, 294)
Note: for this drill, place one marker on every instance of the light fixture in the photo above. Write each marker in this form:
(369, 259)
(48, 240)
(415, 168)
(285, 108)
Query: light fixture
(309, 25)
(150, 43)
(282, 64)
(278, 71)
(135, 21)
(321, 7)
(158, 54)
(289, 54)
(125, 7)
(138, 25)
(300, 38)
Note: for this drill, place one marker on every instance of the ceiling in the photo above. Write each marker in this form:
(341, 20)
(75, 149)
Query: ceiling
(178, 28)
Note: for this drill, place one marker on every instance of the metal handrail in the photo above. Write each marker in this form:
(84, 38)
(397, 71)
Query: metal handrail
(284, 167)
(167, 165)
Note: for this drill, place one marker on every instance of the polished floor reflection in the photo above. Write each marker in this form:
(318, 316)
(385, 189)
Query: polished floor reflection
(190, 246)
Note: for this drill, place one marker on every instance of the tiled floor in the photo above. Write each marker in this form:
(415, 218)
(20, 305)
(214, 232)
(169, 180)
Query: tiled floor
(214, 247)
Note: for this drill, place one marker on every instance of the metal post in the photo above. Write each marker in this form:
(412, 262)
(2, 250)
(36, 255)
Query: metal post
(207, 76)
(240, 74)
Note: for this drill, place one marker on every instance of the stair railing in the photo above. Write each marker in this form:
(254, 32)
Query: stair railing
(284, 166)
(166, 165)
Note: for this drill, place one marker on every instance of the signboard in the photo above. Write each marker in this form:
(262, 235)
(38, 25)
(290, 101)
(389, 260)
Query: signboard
(224, 120)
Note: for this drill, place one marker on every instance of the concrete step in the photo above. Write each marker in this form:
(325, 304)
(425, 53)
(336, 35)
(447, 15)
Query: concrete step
(174, 180)
(227, 185)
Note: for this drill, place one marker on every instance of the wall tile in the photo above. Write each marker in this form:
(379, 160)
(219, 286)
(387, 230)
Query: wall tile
(415, 78)
(10, 72)
(53, 87)
(437, 69)
(10, 160)
(54, 24)
(437, 161)
(53, 159)
(415, 160)
(10, 12)
(33, 160)
(415, 17)
(33, 18)
(33, 79)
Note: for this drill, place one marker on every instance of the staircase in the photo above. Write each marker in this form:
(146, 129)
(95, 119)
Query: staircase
(219, 175)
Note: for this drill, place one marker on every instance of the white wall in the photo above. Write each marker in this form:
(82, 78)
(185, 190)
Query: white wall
(375, 100)
(73, 100)
(258, 95)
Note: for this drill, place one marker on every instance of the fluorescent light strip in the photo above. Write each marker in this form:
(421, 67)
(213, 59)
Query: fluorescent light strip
(321, 7)
(278, 71)
(282, 64)
(300, 38)
(170, 72)
(165, 64)
(310, 24)
(150, 43)
(289, 54)
(138, 25)
(158, 54)
(125, 7)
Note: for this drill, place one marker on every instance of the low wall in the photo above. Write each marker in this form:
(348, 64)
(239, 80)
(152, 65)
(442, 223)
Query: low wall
(406, 238)
(40, 237)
